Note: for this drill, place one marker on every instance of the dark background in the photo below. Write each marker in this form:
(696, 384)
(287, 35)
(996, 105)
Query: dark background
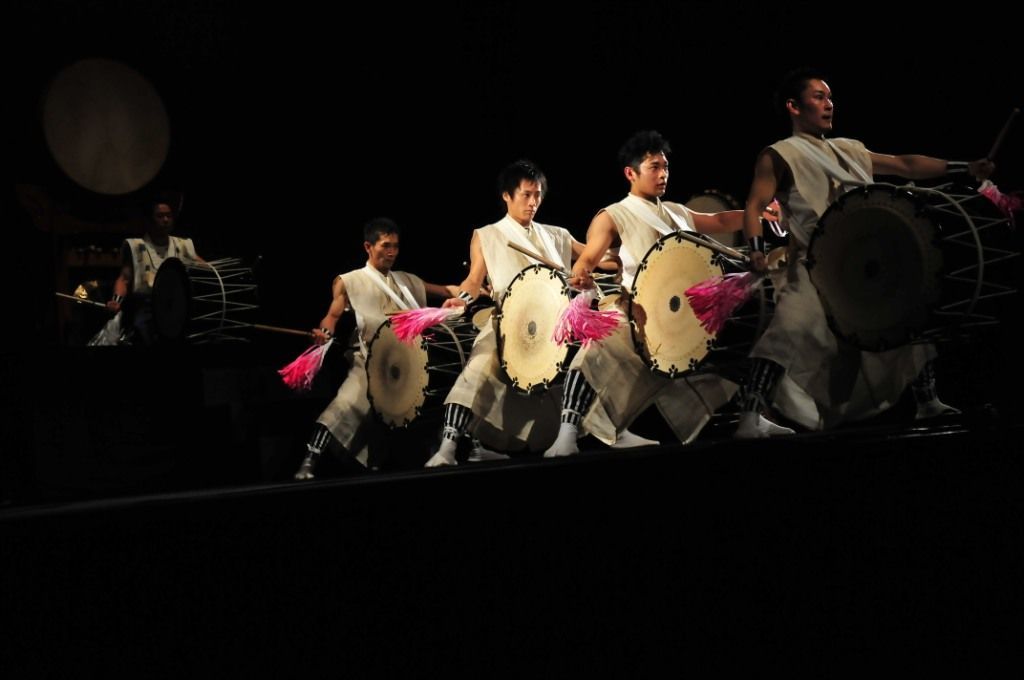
(293, 124)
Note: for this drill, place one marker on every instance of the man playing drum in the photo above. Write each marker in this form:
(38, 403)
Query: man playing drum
(372, 293)
(608, 380)
(142, 257)
(798, 365)
(506, 418)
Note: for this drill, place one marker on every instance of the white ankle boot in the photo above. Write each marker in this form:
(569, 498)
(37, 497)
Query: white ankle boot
(445, 455)
(755, 426)
(934, 408)
(565, 442)
(480, 454)
(630, 440)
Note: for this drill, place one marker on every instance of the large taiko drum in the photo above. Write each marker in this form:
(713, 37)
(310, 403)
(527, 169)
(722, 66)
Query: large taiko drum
(530, 310)
(894, 265)
(202, 301)
(666, 333)
(404, 381)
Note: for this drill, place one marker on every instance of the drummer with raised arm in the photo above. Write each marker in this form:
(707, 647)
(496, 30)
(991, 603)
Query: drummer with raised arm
(609, 382)
(799, 367)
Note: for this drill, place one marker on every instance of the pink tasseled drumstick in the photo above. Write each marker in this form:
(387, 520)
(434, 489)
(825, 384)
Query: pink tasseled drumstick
(299, 374)
(585, 325)
(715, 299)
(408, 325)
(1008, 203)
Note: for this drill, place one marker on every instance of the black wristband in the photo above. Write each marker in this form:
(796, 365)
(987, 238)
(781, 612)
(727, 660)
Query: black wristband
(957, 167)
(327, 332)
(464, 296)
(756, 244)
(117, 298)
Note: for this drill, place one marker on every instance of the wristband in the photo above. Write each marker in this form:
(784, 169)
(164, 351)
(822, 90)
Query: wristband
(464, 296)
(327, 332)
(117, 298)
(756, 244)
(957, 167)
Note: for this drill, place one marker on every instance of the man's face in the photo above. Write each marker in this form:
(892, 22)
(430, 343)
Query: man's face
(163, 218)
(524, 203)
(383, 253)
(813, 113)
(652, 179)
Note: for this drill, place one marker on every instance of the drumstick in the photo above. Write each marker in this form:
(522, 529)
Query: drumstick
(82, 300)
(278, 329)
(542, 260)
(713, 245)
(539, 258)
(1002, 134)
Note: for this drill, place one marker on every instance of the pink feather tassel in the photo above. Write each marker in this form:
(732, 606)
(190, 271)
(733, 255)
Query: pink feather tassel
(714, 300)
(299, 374)
(408, 325)
(581, 323)
(1008, 203)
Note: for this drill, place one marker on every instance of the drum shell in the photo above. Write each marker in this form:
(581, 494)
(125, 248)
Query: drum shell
(897, 265)
(202, 302)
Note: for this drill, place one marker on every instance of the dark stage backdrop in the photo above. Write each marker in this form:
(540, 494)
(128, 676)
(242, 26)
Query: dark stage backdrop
(292, 125)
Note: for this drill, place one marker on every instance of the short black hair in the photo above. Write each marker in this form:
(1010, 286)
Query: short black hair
(171, 199)
(640, 145)
(379, 226)
(792, 86)
(514, 173)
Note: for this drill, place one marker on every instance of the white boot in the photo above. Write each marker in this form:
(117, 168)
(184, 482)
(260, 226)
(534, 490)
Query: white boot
(755, 426)
(445, 455)
(630, 440)
(565, 442)
(934, 408)
(305, 471)
(480, 454)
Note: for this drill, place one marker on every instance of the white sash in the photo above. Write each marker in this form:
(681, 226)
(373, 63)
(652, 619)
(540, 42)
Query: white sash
(642, 210)
(514, 231)
(379, 279)
(855, 175)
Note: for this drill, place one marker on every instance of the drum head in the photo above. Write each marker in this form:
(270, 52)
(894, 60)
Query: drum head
(874, 261)
(482, 317)
(396, 377)
(531, 308)
(171, 299)
(666, 332)
(106, 126)
(712, 201)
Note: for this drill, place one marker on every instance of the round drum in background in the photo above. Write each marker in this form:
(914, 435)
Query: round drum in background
(202, 301)
(713, 201)
(106, 126)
